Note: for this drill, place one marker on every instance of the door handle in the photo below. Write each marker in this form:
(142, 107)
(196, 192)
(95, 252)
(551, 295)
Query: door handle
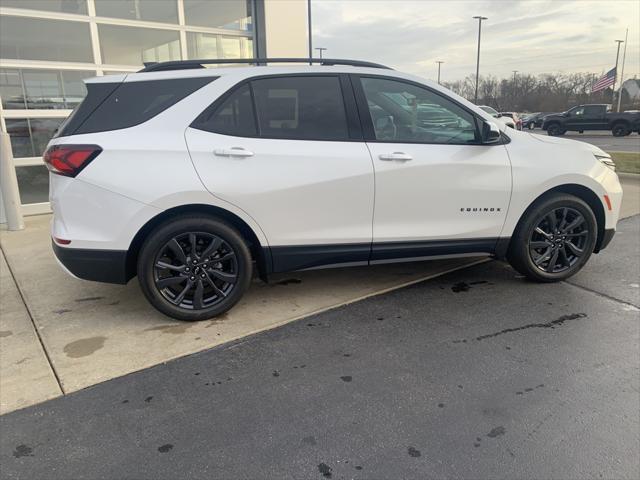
(397, 156)
(233, 152)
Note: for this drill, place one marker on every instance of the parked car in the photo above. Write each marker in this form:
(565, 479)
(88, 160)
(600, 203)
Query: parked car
(507, 121)
(592, 117)
(194, 178)
(515, 117)
(534, 120)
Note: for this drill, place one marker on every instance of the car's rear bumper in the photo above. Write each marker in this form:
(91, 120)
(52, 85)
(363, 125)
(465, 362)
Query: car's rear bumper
(109, 266)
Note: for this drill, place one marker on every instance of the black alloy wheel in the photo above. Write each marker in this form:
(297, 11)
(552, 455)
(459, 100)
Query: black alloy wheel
(558, 240)
(554, 238)
(195, 270)
(194, 267)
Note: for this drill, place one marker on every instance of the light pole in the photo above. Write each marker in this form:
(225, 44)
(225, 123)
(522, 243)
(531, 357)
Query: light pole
(615, 73)
(309, 25)
(624, 57)
(480, 19)
(439, 62)
(320, 50)
(514, 88)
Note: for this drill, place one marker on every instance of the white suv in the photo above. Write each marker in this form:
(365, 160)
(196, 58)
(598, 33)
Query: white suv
(191, 178)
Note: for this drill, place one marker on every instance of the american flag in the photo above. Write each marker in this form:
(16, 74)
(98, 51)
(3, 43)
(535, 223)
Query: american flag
(605, 81)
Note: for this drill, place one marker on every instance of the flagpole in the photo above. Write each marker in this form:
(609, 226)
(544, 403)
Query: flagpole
(615, 72)
(624, 56)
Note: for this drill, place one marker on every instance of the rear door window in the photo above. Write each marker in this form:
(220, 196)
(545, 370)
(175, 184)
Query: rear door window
(301, 107)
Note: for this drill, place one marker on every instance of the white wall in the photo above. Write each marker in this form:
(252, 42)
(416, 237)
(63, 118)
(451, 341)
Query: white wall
(286, 28)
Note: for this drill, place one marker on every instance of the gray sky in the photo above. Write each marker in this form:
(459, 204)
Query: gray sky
(534, 36)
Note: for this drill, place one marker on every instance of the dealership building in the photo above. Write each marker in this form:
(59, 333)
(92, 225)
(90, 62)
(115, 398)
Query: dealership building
(48, 46)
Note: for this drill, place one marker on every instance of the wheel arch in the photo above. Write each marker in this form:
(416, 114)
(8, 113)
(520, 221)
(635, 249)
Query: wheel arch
(259, 253)
(585, 194)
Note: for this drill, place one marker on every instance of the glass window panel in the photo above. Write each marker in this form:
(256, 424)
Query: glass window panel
(38, 39)
(61, 6)
(402, 112)
(11, 89)
(305, 108)
(42, 89)
(134, 46)
(33, 183)
(29, 137)
(150, 10)
(234, 117)
(231, 14)
(202, 45)
(18, 130)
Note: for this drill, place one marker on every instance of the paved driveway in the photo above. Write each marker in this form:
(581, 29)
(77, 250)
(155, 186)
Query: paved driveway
(476, 374)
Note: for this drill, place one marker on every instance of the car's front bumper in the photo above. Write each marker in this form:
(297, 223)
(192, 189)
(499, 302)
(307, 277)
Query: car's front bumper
(109, 266)
(605, 240)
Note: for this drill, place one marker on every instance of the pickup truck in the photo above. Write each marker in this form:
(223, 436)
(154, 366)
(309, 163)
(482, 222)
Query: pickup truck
(592, 117)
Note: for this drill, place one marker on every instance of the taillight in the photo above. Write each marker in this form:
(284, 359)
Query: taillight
(69, 160)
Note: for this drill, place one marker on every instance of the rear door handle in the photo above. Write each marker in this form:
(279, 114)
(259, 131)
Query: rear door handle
(233, 152)
(397, 156)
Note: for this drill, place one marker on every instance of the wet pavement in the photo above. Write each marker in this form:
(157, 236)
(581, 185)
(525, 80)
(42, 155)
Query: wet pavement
(476, 374)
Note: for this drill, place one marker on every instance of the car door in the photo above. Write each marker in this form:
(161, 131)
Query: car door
(288, 150)
(438, 190)
(594, 117)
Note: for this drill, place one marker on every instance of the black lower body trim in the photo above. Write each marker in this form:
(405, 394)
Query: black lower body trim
(289, 258)
(286, 259)
(431, 248)
(109, 266)
(606, 240)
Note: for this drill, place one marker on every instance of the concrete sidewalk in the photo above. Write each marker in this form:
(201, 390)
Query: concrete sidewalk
(90, 332)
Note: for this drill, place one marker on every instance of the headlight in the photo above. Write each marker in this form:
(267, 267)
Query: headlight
(606, 159)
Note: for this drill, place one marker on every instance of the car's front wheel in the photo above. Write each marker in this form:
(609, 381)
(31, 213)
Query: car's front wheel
(554, 239)
(555, 130)
(194, 268)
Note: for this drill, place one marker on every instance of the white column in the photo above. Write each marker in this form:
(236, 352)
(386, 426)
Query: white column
(285, 24)
(9, 185)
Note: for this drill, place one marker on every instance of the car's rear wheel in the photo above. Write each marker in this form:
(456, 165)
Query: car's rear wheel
(193, 268)
(620, 130)
(555, 130)
(554, 239)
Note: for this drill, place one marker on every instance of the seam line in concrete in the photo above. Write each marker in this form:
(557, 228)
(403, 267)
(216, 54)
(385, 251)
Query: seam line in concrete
(33, 323)
(604, 295)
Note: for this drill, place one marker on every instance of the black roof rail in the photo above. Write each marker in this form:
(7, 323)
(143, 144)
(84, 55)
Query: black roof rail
(200, 63)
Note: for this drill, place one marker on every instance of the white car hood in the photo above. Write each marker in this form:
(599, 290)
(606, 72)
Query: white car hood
(566, 141)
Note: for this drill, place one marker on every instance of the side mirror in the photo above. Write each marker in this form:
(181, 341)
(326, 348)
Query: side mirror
(499, 115)
(490, 133)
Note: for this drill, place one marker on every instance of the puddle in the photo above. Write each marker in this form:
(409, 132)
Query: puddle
(84, 347)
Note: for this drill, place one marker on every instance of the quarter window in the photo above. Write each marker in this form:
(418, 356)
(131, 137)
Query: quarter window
(235, 116)
(303, 108)
(402, 112)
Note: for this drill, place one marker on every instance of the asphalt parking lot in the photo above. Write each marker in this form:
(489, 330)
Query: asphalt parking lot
(475, 374)
(604, 140)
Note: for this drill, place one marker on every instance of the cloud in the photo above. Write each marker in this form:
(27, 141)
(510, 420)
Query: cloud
(535, 36)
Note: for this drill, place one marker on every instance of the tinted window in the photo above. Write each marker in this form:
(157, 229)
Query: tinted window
(402, 112)
(235, 116)
(593, 110)
(309, 108)
(129, 104)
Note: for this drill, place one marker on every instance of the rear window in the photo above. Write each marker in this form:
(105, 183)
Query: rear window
(111, 106)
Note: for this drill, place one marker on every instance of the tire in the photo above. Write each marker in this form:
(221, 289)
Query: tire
(531, 253)
(192, 289)
(555, 130)
(620, 130)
